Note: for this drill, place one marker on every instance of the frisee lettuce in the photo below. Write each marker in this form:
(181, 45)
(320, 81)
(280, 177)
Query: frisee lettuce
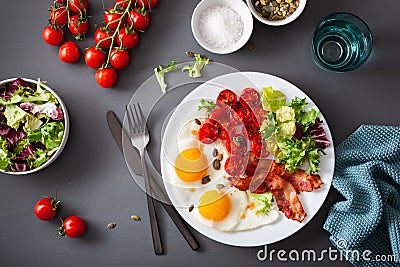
(160, 74)
(194, 71)
(263, 202)
(208, 105)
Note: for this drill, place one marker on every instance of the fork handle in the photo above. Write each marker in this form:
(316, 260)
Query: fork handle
(155, 232)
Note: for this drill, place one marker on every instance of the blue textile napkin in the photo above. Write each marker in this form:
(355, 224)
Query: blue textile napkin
(367, 174)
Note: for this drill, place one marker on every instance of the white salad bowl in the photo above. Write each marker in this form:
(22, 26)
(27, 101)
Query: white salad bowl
(236, 5)
(66, 127)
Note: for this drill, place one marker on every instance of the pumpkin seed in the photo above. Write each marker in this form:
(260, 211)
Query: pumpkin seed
(206, 179)
(197, 121)
(216, 164)
(220, 156)
(275, 9)
(251, 46)
(238, 139)
(191, 208)
(220, 186)
(189, 54)
(111, 225)
(135, 218)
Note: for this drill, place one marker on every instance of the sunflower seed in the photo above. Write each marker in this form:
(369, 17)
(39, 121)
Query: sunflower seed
(135, 218)
(206, 179)
(191, 208)
(111, 225)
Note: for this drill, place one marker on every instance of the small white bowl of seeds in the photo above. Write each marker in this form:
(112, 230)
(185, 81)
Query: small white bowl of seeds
(276, 12)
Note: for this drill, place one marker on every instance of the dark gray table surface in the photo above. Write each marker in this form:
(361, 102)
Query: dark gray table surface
(91, 176)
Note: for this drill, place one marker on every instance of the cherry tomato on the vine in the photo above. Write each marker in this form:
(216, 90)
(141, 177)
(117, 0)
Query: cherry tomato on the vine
(119, 58)
(122, 4)
(94, 58)
(140, 19)
(103, 35)
(149, 4)
(69, 52)
(106, 77)
(112, 18)
(73, 227)
(52, 36)
(59, 16)
(78, 26)
(127, 38)
(78, 6)
(46, 208)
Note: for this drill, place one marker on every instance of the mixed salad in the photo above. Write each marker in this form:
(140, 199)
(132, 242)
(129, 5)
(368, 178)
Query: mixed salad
(32, 125)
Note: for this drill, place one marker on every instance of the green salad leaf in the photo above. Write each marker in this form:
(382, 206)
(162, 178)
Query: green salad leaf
(160, 74)
(15, 115)
(303, 118)
(271, 99)
(263, 202)
(208, 105)
(38, 158)
(194, 71)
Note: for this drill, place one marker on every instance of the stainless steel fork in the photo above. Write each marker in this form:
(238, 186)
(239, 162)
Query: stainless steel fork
(139, 137)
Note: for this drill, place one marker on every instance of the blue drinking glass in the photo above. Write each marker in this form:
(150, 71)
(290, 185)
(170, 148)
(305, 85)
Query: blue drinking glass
(341, 42)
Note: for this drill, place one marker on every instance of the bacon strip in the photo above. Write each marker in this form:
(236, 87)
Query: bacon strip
(303, 182)
(288, 202)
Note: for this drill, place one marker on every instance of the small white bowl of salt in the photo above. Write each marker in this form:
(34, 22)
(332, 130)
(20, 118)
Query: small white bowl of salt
(222, 26)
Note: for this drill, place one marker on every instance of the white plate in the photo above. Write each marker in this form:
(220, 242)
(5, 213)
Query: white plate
(267, 234)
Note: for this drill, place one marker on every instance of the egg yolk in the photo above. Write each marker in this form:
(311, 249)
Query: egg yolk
(191, 165)
(214, 206)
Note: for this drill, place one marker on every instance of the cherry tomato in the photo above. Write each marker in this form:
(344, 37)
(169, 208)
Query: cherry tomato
(259, 115)
(139, 19)
(149, 4)
(243, 113)
(69, 52)
(219, 115)
(78, 6)
(106, 77)
(112, 18)
(208, 133)
(103, 35)
(250, 98)
(46, 208)
(94, 58)
(73, 227)
(119, 59)
(78, 26)
(52, 36)
(226, 98)
(127, 38)
(59, 16)
(122, 4)
(235, 165)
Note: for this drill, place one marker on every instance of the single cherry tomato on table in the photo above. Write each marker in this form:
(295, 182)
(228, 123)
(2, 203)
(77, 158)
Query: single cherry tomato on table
(103, 36)
(112, 18)
(208, 133)
(59, 15)
(94, 58)
(73, 227)
(140, 19)
(127, 38)
(119, 58)
(46, 208)
(78, 26)
(52, 35)
(106, 77)
(149, 4)
(226, 98)
(250, 98)
(78, 6)
(235, 165)
(69, 52)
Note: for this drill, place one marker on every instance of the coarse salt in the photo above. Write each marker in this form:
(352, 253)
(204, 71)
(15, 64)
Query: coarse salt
(220, 26)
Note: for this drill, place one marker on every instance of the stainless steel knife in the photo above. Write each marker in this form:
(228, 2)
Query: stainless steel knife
(133, 159)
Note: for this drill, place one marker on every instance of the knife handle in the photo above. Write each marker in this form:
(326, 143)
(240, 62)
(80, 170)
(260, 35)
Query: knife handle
(176, 218)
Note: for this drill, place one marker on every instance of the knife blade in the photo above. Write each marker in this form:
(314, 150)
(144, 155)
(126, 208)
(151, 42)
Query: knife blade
(133, 159)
